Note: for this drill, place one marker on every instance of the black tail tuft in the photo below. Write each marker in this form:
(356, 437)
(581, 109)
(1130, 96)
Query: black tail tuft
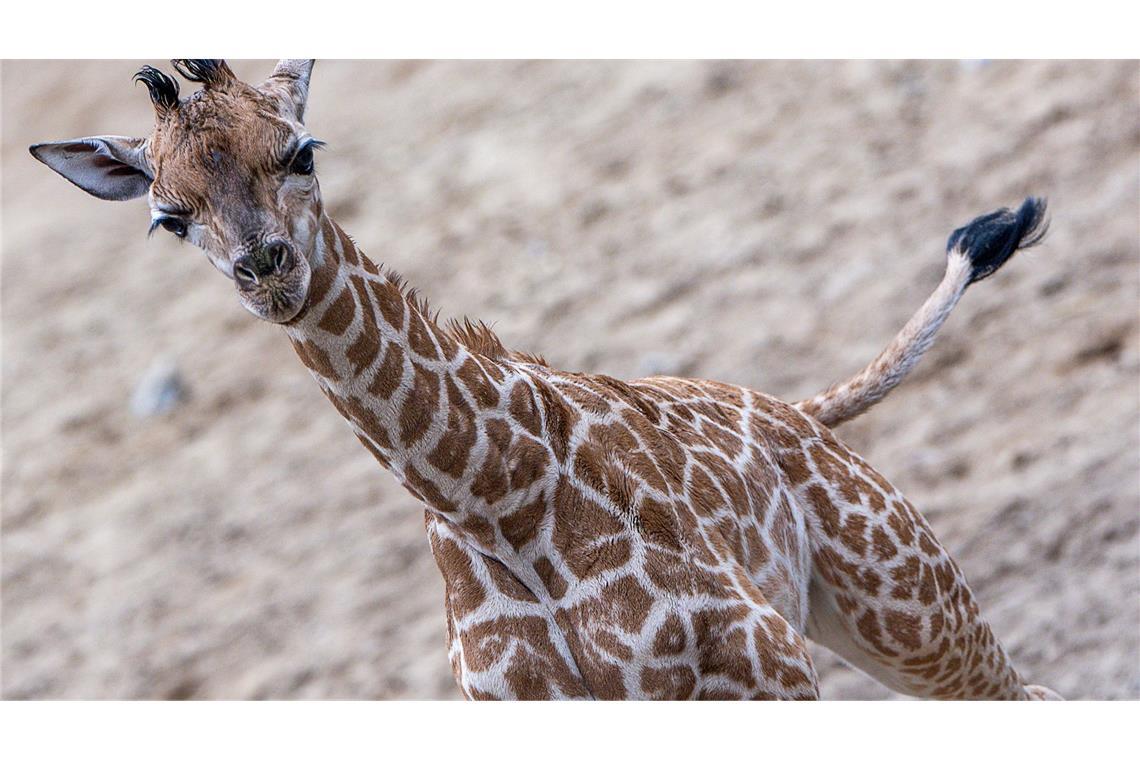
(990, 240)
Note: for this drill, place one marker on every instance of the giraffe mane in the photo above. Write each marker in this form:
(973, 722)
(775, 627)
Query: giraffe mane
(475, 335)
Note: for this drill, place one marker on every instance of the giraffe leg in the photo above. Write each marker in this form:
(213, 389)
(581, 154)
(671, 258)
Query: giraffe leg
(886, 595)
(783, 661)
(502, 642)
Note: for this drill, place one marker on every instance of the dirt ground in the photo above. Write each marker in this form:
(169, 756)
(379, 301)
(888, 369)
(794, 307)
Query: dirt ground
(769, 224)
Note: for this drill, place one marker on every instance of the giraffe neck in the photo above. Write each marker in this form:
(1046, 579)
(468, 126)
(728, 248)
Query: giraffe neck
(415, 396)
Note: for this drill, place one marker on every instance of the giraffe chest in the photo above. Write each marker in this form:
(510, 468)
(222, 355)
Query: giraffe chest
(675, 603)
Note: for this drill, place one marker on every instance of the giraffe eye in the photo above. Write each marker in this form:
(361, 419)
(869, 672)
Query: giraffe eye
(173, 225)
(302, 162)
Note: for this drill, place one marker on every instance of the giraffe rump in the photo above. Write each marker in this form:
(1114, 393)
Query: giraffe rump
(973, 252)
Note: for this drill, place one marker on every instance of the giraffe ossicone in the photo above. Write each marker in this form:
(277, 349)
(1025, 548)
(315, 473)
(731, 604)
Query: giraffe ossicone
(662, 538)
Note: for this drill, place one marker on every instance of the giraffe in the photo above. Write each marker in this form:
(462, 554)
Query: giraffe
(664, 538)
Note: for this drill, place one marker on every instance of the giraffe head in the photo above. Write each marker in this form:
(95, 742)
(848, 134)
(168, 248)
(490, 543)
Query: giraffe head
(229, 169)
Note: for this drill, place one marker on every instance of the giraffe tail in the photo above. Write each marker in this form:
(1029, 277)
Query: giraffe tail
(973, 253)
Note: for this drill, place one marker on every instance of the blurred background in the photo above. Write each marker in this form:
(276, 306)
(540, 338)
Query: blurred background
(185, 516)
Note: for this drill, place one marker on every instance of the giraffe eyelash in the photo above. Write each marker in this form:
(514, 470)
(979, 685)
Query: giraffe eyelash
(300, 145)
(301, 161)
(161, 221)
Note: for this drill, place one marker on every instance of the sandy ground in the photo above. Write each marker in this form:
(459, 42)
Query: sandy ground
(769, 224)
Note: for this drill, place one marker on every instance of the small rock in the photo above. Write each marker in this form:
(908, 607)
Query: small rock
(159, 391)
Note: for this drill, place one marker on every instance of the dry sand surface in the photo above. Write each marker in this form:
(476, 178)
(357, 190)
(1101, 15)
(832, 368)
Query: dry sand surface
(768, 224)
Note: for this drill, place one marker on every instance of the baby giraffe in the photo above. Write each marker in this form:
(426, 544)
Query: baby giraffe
(665, 538)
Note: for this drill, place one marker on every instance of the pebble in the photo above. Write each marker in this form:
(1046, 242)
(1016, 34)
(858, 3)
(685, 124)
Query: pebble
(159, 391)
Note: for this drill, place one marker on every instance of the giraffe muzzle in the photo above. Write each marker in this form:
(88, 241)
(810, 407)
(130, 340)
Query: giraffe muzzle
(272, 281)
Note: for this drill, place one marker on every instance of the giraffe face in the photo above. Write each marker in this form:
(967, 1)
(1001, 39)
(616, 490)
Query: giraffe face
(229, 169)
(234, 175)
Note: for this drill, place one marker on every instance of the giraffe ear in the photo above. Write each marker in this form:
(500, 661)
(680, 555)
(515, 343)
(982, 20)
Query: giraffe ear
(290, 79)
(108, 167)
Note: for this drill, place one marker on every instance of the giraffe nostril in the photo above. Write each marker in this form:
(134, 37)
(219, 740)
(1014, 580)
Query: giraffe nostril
(280, 256)
(244, 273)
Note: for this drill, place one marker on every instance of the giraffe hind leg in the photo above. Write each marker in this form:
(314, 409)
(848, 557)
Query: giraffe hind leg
(828, 626)
(887, 596)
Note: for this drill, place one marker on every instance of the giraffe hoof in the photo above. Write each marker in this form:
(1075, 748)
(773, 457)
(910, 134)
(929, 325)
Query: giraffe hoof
(1042, 694)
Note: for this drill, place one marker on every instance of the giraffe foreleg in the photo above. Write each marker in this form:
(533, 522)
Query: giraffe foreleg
(502, 642)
